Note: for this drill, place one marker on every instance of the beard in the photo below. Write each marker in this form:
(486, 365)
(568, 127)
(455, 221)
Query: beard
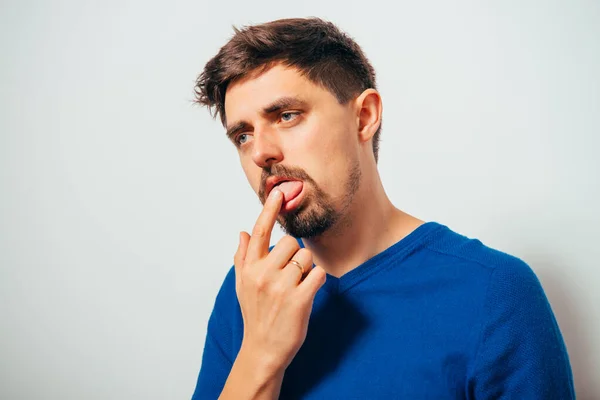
(317, 212)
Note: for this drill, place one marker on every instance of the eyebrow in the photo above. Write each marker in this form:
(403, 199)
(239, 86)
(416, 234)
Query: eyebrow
(282, 103)
(276, 106)
(235, 128)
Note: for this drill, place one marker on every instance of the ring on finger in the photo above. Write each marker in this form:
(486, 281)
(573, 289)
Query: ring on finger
(297, 264)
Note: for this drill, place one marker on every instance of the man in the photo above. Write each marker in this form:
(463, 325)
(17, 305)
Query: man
(360, 300)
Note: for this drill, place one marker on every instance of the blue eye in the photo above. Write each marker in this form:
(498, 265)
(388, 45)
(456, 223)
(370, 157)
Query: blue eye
(239, 138)
(291, 116)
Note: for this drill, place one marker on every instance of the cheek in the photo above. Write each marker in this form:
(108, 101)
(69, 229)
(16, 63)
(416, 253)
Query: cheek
(327, 137)
(333, 141)
(332, 154)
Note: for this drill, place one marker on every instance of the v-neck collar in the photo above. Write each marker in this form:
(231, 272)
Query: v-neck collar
(395, 253)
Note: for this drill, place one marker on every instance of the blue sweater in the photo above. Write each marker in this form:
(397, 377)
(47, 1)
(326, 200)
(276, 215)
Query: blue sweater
(435, 316)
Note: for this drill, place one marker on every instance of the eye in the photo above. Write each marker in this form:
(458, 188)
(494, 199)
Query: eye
(241, 139)
(289, 116)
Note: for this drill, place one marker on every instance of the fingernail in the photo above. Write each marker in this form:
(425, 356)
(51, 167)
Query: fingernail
(275, 193)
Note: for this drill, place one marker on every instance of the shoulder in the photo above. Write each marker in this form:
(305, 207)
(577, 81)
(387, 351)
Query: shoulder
(502, 283)
(451, 247)
(511, 295)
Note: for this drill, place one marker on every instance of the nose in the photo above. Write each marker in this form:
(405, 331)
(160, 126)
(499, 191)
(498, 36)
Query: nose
(266, 149)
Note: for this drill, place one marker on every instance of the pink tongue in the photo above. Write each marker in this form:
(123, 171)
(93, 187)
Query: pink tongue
(290, 189)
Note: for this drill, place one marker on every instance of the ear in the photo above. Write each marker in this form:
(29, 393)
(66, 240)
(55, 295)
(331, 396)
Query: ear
(369, 109)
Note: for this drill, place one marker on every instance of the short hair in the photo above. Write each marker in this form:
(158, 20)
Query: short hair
(318, 49)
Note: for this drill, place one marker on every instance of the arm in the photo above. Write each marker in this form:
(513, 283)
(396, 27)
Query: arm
(252, 378)
(275, 301)
(521, 352)
(217, 358)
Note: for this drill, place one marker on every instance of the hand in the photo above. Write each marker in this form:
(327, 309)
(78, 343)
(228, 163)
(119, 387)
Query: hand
(275, 298)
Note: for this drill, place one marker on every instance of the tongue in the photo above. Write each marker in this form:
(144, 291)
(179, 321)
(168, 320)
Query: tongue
(290, 189)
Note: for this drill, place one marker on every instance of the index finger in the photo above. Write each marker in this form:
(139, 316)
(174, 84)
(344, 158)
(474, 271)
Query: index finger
(261, 233)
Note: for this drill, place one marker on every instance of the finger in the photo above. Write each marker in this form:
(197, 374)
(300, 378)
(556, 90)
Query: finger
(240, 254)
(261, 233)
(291, 274)
(308, 288)
(282, 252)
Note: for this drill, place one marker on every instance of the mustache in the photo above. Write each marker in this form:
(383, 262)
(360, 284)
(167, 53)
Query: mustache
(290, 173)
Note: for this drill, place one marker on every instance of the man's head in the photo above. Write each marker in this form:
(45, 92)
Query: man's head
(298, 100)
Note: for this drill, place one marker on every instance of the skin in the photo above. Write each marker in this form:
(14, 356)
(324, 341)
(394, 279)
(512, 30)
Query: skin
(325, 141)
(345, 212)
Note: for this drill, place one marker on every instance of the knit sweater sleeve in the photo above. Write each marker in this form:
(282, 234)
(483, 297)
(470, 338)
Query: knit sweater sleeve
(217, 358)
(521, 353)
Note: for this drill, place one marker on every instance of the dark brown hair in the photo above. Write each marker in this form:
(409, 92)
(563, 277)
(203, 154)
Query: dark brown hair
(317, 48)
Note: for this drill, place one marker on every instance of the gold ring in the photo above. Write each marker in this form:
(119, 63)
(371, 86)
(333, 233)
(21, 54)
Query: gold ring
(297, 264)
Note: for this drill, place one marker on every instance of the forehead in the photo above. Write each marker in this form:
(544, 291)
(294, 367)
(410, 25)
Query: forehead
(248, 96)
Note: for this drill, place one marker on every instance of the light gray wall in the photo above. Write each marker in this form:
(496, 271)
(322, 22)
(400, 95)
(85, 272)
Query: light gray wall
(120, 203)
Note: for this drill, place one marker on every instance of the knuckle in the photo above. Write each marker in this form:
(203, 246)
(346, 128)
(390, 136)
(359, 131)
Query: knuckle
(259, 231)
(261, 282)
(290, 241)
(246, 274)
(277, 290)
(306, 255)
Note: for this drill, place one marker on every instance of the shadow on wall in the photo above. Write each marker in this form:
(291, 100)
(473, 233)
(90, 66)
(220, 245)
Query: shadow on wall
(572, 320)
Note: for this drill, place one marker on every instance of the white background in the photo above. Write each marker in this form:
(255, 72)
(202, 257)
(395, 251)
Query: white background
(121, 202)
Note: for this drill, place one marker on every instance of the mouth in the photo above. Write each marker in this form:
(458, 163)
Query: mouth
(292, 193)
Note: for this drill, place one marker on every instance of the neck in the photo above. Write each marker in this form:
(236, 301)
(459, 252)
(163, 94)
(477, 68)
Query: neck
(370, 225)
